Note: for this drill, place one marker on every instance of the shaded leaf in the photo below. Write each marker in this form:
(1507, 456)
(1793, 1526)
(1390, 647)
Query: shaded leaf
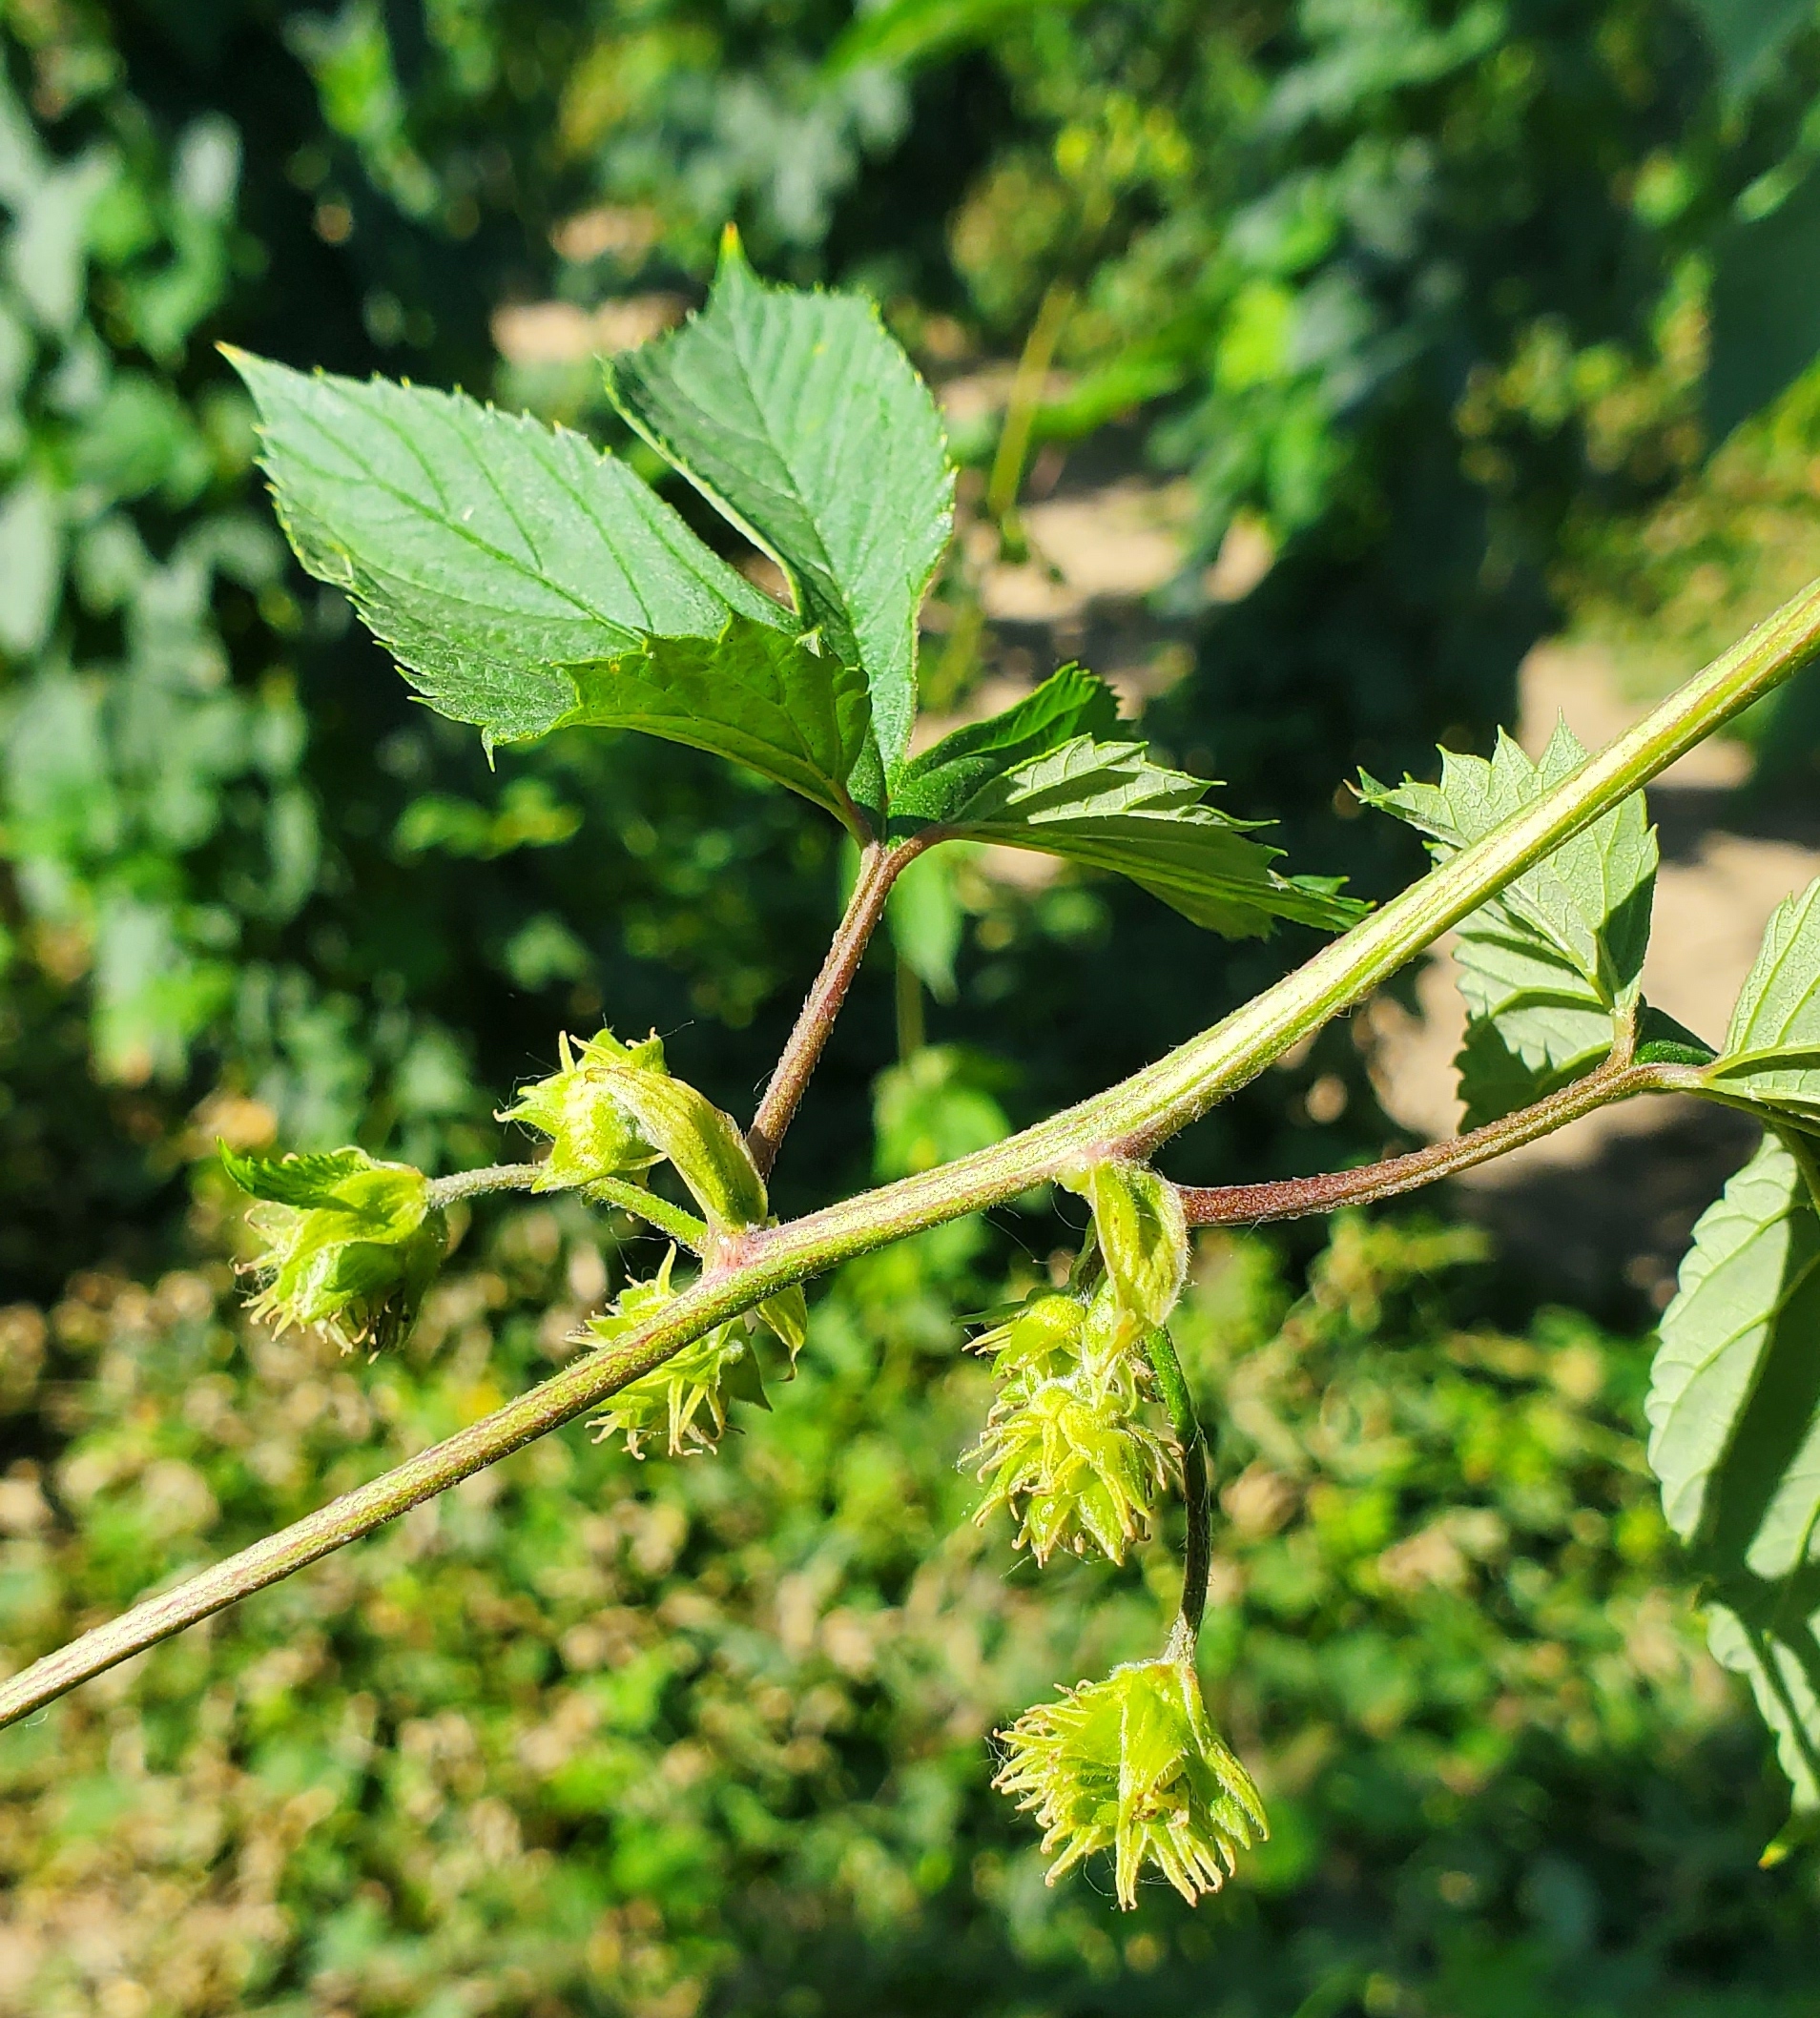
(1766, 307)
(755, 694)
(1748, 35)
(1734, 1414)
(490, 554)
(903, 32)
(801, 419)
(1555, 962)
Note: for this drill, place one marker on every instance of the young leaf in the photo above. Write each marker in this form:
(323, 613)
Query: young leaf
(936, 787)
(1734, 1413)
(1772, 1055)
(490, 554)
(755, 694)
(1108, 806)
(803, 420)
(1551, 967)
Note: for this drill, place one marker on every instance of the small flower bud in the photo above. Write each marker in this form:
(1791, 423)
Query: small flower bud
(1133, 1764)
(348, 1244)
(685, 1400)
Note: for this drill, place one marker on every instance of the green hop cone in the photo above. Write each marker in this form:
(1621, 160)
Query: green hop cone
(1133, 1764)
(348, 1246)
(1068, 1455)
(591, 1135)
(684, 1402)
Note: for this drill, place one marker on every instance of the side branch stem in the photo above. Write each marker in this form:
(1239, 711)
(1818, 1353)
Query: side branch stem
(1132, 1117)
(880, 866)
(1197, 1556)
(1299, 1197)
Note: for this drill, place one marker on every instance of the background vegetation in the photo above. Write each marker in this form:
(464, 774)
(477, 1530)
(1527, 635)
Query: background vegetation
(1443, 306)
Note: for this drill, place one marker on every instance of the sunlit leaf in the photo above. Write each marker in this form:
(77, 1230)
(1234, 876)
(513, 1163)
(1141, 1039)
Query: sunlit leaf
(803, 420)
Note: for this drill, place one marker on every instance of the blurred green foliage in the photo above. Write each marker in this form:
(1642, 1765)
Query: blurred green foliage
(1429, 296)
(596, 1736)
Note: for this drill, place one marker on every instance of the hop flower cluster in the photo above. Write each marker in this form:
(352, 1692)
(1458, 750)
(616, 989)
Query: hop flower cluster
(1065, 1448)
(614, 1109)
(685, 1401)
(347, 1245)
(1133, 1764)
(591, 1134)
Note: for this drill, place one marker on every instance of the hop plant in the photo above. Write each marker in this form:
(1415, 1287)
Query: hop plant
(591, 1134)
(1065, 1448)
(684, 1401)
(347, 1245)
(1133, 1764)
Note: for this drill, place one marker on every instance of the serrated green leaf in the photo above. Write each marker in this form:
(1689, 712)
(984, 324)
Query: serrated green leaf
(1108, 806)
(1555, 962)
(801, 419)
(490, 554)
(755, 694)
(1771, 1054)
(1734, 1414)
(938, 786)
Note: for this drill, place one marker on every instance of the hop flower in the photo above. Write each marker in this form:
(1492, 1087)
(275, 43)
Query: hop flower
(1042, 1336)
(348, 1246)
(685, 1400)
(616, 1109)
(591, 1134)
(1069, 1453)
(1132, 1765)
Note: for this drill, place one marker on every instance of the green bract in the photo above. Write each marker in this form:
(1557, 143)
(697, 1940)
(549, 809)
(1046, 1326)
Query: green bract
(1133, 1765)
(1141, 1234)
(1066, 1448)
(614, 1108)
(349, 1245)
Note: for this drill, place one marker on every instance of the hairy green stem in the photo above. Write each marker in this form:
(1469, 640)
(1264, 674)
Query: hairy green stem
(476, 1184)
(1128, 1118)
(1197, 1554)
(683, 1227)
